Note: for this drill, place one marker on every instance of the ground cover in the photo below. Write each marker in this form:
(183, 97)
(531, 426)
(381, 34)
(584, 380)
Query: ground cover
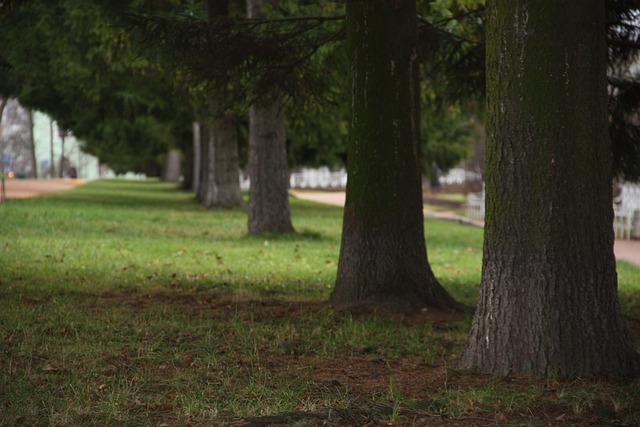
(125, 303)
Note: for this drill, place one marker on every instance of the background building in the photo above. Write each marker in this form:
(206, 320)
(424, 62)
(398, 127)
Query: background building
(29, 156)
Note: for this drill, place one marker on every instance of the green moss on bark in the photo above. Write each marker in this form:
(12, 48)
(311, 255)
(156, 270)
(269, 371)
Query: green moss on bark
(383, 255)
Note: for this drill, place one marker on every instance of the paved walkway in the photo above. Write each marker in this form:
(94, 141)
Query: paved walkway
(628, 250)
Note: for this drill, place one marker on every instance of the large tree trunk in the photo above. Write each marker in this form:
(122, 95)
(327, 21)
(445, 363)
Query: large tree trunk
(268, 171)
(268, 174)
(548, 302)
(383, 259)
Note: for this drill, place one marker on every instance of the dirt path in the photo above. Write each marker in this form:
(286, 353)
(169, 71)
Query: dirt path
(22, 188)
(628, 250)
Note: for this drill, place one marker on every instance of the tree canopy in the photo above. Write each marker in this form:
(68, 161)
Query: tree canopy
(118, 73)
(68, 59)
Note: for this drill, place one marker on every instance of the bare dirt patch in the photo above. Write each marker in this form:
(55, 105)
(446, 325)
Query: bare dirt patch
(23, 188)
(373, 389)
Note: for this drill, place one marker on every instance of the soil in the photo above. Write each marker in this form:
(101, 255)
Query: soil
(361, 374)
(23, 188)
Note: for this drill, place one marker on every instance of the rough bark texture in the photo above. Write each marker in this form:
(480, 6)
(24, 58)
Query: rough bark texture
(383, 259)
(219, 185)
(268, 171)
(548, 302)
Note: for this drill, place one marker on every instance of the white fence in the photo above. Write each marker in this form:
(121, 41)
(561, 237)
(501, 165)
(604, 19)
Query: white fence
(626, 207)
(319, 178)
(308, 178)
(324, 178)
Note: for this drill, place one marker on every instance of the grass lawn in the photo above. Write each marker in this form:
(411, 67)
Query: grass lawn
(125, 303)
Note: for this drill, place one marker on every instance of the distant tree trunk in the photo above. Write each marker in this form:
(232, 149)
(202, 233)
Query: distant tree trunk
(548, 301)
(63, 136)
(3, 104)
(383, 257)
(268, 171)
(171, 166)
(32, 143)
(187, 167)
(219, 172)
(196, 159)
(226, 163)
(51, 159)
(207, 179)
(219, 168)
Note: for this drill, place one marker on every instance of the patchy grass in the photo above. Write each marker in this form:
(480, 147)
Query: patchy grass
(125, 303)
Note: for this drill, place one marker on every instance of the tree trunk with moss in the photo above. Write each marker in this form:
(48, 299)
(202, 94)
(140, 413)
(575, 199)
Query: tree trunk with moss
(268, 171)
(548, 301)
(383, 258)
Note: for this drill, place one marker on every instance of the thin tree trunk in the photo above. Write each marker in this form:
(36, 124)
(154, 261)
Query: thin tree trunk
(197, 156)
(51, 158)
(3, 104)
(206, 192)
(548, 301)
(63, 135)
(268, 171)
(32, 143)
(187, 167)
(383, 257)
